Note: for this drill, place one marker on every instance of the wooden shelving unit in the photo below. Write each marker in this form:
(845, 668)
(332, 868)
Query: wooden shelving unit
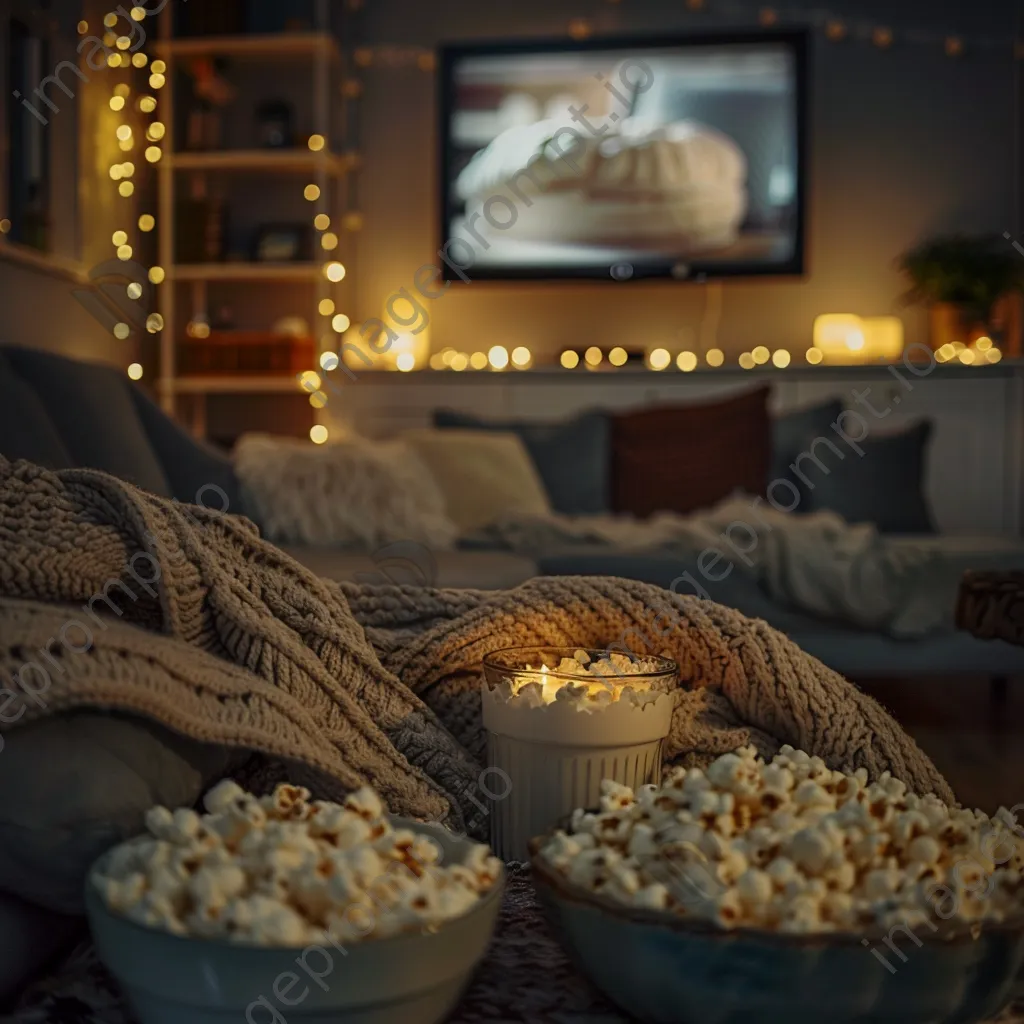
(321, 53)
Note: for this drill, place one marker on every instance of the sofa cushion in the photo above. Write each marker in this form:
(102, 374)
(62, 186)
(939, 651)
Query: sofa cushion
(481, 474)
(73, 785)
(790, 434)
(198, 473)
(884, 485)
(573, 457)
(682, 458)
(91, 407)
(26, 430)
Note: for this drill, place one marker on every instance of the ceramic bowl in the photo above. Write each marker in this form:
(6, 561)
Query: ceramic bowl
(411, 979)
(664, 970)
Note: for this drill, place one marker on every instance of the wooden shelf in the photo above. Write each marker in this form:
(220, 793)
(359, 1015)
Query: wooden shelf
(270, 46)
(255, 385)
(284, 273)
(285, 161)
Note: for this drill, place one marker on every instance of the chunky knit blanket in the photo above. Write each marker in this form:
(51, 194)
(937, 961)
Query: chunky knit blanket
(114, 598)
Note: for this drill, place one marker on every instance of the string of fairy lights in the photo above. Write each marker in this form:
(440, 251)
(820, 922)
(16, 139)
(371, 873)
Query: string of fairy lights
(126, 99)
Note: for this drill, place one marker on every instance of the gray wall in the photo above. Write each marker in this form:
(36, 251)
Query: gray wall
(905, 143)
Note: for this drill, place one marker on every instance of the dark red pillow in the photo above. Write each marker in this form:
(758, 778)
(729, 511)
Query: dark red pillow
(680, 458)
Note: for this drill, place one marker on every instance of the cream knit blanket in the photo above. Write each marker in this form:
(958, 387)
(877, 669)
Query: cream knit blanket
(114, 598)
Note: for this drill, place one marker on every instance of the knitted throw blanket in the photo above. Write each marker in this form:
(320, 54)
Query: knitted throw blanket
(114, 598)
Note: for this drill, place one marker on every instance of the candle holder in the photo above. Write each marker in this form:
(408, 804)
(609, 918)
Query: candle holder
(559, 721)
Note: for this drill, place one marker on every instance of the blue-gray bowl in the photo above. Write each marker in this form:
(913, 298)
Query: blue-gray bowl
(417, 978)
(663, 969)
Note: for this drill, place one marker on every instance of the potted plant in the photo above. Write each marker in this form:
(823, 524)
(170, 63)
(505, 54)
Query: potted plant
(973, 287)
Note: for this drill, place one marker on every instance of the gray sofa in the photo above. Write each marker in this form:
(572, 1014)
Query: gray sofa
(62, 413)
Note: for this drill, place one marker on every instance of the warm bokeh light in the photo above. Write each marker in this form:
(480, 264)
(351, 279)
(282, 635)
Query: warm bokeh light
(147, 104)
(310, 381)
(110, 19)
(322, 222)
(139, 60)
(83, 27)
(405, 361)
(334, 272)
(686, 361)
(983, 344)
(121, 331)
(993, 355)
(312, 192)
(124, 252)
(117, 103)
(154, 323)
(326, 307)
(126, 188)
(341, 323)
(521, 357)
(5, 226)
(138, 13)
(159, 67)
(157, 275)
(593, 356)
(329, 240)
(114, 60)
(123, 42)
(569, 359)
(156, 131)
(134, 290)
(478, 361)
(124, 131)
(329, 361)
(147, 222)
(156, 80)
(497, 356)
(459, 361)
(318, 434)
(746, 361)
(760, 355)
(715, 357)
(135, 371)
(198, 329)
(659, 359)
(153, 154)
(618, 356)
(317, 142)
(815, 356)
(119, 237)
(966, 357)
(781, 358)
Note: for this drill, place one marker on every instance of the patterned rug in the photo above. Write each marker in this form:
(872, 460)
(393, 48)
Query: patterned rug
(526, 979)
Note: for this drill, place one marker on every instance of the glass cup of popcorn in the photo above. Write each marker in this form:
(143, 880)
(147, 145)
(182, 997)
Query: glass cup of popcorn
(561, 720)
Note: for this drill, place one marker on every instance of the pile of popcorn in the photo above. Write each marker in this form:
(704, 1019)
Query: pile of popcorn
(282, 870)
(794, 847)
(597, 683)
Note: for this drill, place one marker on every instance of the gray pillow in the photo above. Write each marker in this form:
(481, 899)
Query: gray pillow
(884, 486)
(26, 430)
(790, 434)
(73, 785)
(198, 473)
(572, 457)
(91, 407)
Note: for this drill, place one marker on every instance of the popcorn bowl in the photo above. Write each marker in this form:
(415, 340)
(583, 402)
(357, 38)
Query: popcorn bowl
(663, 969)
(553, 756)
(412, 978)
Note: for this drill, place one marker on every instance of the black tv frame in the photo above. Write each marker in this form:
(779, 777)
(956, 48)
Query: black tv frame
(798, 40)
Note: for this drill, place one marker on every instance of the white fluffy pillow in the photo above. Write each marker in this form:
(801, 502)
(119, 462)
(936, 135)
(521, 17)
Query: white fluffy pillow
(353, 492)
(482, 474)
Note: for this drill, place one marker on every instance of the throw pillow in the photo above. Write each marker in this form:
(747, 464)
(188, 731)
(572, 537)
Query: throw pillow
(573, 457)
(74, 785)
(26, 430)
(482, 475)
(682, 458)
(884, 486)
(357, 493)
(91, 406)
(790, 433)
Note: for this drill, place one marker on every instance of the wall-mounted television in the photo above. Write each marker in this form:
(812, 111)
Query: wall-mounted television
(624, 159)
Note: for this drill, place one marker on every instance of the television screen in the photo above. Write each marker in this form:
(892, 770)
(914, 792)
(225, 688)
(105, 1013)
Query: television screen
(624, 161)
